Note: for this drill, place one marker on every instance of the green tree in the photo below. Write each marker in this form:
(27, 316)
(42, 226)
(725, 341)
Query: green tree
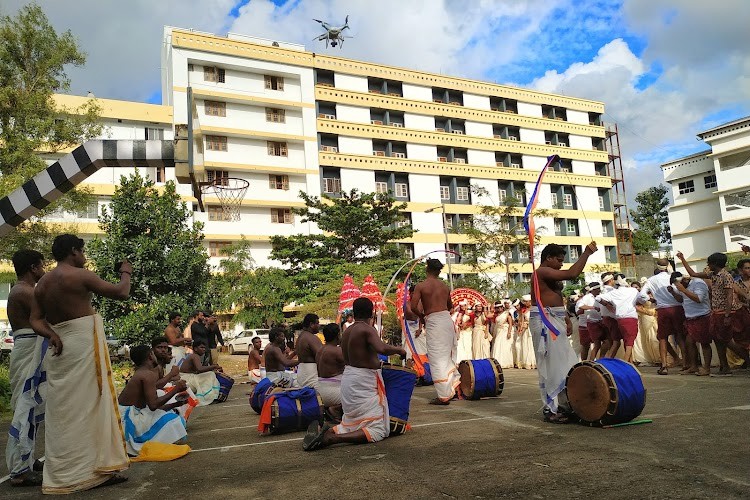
(33, 58)
(643, 242)
(355, 226)
(650, 214)
(170, 266)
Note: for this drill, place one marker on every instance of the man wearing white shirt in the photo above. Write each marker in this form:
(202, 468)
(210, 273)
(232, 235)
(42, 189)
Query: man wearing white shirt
(593, 319)
(621, 302)
(670, 318)
(583, 331)
(609, 322)
(693, 294)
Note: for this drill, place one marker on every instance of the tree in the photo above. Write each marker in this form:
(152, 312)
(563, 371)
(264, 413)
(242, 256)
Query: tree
(643, 242)
(32, 68)
(498, 234)
(170, 266)
(651, 216)
(355, 225)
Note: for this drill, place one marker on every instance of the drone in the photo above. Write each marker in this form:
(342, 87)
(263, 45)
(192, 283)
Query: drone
(333, 34)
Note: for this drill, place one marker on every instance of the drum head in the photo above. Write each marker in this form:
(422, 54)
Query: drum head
(466, 371)
(588, 392)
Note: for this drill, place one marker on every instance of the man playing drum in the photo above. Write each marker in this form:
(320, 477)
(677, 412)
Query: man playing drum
(554, 356)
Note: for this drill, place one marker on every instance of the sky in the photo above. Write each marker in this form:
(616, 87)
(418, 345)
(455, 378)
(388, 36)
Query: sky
(665, 70)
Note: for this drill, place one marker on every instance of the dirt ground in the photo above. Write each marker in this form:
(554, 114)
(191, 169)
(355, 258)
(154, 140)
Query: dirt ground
(696, 447)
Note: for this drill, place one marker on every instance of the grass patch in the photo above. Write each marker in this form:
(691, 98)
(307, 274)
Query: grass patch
(5, 392)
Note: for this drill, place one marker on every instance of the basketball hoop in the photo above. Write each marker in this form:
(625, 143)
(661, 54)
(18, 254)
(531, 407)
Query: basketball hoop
(230, 191)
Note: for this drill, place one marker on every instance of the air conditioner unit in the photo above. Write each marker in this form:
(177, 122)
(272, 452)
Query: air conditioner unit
(512, 138)
(439, 129)
(499, 164)
(549, 143)
(330, 149)
(394, 94)
(329, 117)
(459, 132)
(515, 165)
(566, 170)
(374, 91)
(396, 124)
(379, 153)
(438, 101)
(325, 84)
(511, 111)
(498, 136)
(455, 103)
(459, 160)
(376, 122)
(442, 158)
(563, 144)
(398, 155)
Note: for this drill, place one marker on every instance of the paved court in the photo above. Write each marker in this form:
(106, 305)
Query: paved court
(697, 447)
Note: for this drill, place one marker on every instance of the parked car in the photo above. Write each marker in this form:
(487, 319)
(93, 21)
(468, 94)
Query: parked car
(118, 350)
(6, 343)
(240, 344)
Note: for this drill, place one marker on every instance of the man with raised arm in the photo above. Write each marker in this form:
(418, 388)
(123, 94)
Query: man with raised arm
(84, 444)
(363, 399)
(27, 377)
(431, 302)
(554, 356)
(307, 347)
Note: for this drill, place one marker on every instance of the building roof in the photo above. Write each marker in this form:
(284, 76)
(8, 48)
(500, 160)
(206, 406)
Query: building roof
(121, 110)
(723, 126)
(685, 158)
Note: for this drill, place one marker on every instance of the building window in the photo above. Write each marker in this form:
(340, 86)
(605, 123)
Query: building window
(381, 187)
(215, 108)
(216, 248)
(554, 200)
(216, 143)
(686, 187)
(502, 195)
(275, 115)
(218, 177)
(462, 193)
(161, 173)
(572, 228)
(274, 82)
(402, 190)
(281, 216)
(277, 149)
(445, 193)
(90, 212)
(568, 200)
(574, 254)
(710, 181)
(407, 249)
(154, 134)
(331, 185)
(213, 74)
(216, 213)
(278, 182)
(601, 203)
(558, 227)
(404, 220)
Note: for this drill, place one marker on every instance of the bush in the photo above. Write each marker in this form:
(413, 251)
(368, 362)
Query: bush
(5, 391)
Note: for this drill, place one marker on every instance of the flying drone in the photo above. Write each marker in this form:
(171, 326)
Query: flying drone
(333, 34)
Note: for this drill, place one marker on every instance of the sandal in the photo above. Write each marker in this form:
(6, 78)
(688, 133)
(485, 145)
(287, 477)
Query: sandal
(556, 418)
(439, 402)
(662, 371)
(38, 466)
(113, 479)
(26, 480)
(314, 436)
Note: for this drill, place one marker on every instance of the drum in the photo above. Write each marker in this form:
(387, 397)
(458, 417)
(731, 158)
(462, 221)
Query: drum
(294, 409)
(225, 385)
(258, 396)
(399, 386)
(481, 378)
(605, 392)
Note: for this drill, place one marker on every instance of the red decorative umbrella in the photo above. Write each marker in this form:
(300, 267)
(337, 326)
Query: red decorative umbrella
(400, 301)
(371, 291)
(349, 293)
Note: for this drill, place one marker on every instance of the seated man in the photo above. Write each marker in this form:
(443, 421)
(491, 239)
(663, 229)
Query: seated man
(363, 399)
(167, 379)
(256, 371)
(174, 335)
(201, 379)
(146, 416)
(277, 361)
(330, 360)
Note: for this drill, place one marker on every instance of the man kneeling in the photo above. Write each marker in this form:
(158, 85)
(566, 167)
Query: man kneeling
(363, 399)
(330, 361)
(145, 416)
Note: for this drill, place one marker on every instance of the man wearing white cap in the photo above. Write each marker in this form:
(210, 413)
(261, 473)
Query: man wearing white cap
(621, 302)
(609, 323)
(554, 355)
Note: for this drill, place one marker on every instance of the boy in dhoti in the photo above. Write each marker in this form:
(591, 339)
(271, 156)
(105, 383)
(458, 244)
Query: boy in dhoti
(256, 371)
(363, 399)
(201, 379)
(173, 332)
(277, 362)
(146, 416)
(330, 360)
(307, 346)
(167, 378)
(554, 355)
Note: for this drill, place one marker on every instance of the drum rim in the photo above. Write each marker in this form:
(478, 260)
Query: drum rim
(611, 383)
(387, 366)
(472, 384)
(498, 375)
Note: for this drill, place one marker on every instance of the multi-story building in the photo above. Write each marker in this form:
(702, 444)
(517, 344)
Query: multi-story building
(288, 120)
(711, 192)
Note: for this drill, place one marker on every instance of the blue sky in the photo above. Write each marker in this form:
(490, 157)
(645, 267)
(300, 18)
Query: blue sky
(665, 69)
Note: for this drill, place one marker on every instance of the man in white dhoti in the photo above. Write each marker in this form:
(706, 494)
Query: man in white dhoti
(307, 347)
(432, 299)
(84, 442)
(256, 370)
(200, 379)
(27, 373)
(366, 418)
(177, 339)
(330, 361)
(277, 362)
(554, 355)
(146, 416)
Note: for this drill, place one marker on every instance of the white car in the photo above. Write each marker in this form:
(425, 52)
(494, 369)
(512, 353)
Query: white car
(6, 343)
(242, 342)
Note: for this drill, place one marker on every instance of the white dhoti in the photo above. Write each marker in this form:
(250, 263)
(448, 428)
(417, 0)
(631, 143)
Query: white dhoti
(575, 338)
(364, 403)
(554, 358)
(329, 389)
(179, 353)
(283, 378)
(28, 385)
(184, 410)
(256, 375)
(502, 347)
(84, 441)
(463, 349)
(307, 375)
(204, 385)
(440, 334)
(143, 424)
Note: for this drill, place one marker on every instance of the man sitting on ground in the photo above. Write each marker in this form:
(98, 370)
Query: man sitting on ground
(330, 360)
(168, 375)
(256, 371)
(146, 416)
(363, 399)
(201, 379)
(307, 347)
(277, 361)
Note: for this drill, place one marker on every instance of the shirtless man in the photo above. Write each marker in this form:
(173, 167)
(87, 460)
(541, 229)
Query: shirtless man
(28, 353)
(146, 416)
(330, 360)
(79, 447)
(177, 339)
(557, 356)
(194, 362)
(163, 353)
(431, 302)
(255, 369)
(307, 347)
(277, 361)
(365, 416)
